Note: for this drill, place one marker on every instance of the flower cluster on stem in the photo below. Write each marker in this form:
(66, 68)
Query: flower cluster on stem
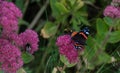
(12, 43)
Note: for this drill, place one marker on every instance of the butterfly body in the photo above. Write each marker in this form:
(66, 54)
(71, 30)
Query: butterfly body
(79, 38)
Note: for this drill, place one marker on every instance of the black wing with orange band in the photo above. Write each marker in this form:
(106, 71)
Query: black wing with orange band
(79, 38)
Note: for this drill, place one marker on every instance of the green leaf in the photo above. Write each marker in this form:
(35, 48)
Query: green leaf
(23, 22)
(27, 57)
(66, 62)
(20, 4)
(21, 70)
(93, 54)
(54, 70)
(71, 2)
(75, 24)
(90, 42)
(63, 71)
(84, 20)
(49, 30)
(61, 7)
(1, 71)
(108, 21)
(104, 58)
(114, 37)
(99, 39)
(102, 28)
(78, 5)
(117, 22)
(88, 57)
(58, 8)
(55, 10)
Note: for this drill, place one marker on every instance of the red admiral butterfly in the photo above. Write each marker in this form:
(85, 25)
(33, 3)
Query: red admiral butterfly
(79, 38)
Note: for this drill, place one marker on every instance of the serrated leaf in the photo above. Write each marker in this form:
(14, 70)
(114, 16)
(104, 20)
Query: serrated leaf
(27, 57)
(66, 62)
(102, 28)
(114, 37)
(49, 30)
(108, 21)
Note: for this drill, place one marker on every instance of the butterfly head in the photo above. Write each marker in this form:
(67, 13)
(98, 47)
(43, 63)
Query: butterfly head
(85, 30)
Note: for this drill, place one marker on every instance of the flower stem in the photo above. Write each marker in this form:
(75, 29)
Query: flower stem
(38, 15)
(107, 36)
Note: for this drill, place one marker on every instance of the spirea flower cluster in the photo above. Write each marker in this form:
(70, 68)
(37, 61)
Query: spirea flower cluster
(113, 11)
(30, 37)
(13, 44)
(66, 48)
(116, 1)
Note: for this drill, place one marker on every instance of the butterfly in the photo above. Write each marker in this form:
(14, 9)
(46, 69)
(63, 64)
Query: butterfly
(79, 38)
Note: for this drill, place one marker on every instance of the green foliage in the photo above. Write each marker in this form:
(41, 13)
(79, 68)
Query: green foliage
(102, 28)
(49, 29)
(109, 21)
(114, 37)
(66, 62)
(69, 12)
(94, 55)
(21, 71)
(52, 62)
(20, 4)
(27, 57)
(1, 71)
(95, 50)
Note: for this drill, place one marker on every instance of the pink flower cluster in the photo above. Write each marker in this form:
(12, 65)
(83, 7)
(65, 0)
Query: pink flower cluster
(66, 47)
(9, 15)
(10, 57)
(11, 43)
(112, 11)
(116, 1)
(30, 37)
